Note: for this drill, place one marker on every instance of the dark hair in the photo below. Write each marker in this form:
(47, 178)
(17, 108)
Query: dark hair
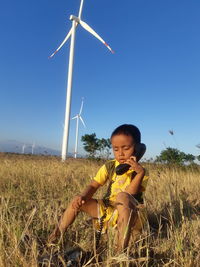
(130, 130)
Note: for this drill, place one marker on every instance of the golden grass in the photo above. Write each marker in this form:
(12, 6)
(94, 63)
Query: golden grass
(34, 191)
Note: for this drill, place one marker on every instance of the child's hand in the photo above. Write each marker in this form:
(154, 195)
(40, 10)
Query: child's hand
(78, 202)
(135, 165)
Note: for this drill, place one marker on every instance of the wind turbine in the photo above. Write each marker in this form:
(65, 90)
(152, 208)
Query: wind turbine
(77, 117)
(33, 146)
(75, 22)
(23, 148)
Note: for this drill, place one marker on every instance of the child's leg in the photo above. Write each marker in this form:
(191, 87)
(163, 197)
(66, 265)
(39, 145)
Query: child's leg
(90, 207)
(126, 207)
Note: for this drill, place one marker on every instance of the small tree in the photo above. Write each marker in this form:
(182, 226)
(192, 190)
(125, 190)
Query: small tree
(174, 156)
(189, 158)
(170, 155)
(90, 144)
(104, 147)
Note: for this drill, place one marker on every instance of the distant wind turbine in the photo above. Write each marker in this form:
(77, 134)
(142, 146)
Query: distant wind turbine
(77, 117)
(23, 148)
(33, 146)
(75, 22)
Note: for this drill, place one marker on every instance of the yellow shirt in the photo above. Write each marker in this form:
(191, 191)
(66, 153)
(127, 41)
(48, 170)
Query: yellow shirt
(120, 182)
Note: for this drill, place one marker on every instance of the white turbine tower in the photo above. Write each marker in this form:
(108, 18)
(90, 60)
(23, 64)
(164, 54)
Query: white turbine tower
(23, 148)
(33, 146)
(75, 22)
(77, 117)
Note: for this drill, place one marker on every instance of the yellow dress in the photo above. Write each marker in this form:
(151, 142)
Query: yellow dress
(119, 184)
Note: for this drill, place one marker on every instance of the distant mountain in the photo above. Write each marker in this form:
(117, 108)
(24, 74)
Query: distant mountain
(14, 146)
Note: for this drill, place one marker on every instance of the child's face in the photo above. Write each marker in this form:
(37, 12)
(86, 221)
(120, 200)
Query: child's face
(123, 147)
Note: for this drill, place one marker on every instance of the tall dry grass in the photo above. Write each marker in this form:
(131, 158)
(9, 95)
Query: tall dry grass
(34, 191)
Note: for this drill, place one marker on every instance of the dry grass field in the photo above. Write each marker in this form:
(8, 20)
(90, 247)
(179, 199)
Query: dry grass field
(34, 191)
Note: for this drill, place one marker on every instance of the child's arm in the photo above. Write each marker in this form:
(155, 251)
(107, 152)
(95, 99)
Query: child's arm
(135, 184)
(87, 194)
(90, 190)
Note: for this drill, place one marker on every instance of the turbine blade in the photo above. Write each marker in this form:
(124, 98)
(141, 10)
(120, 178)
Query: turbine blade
(80, 9)
(75, 117)
(64, 41)
(81, 107)
(82, 121)
(90, 30)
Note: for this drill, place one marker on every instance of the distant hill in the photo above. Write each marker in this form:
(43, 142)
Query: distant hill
(14, 146)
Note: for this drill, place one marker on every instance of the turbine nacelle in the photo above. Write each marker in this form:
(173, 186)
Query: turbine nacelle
(72, 17)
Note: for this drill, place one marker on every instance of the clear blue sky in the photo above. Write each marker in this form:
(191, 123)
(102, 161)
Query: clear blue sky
(151, 81)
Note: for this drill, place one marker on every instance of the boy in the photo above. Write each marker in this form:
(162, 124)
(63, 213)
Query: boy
(125, 191)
